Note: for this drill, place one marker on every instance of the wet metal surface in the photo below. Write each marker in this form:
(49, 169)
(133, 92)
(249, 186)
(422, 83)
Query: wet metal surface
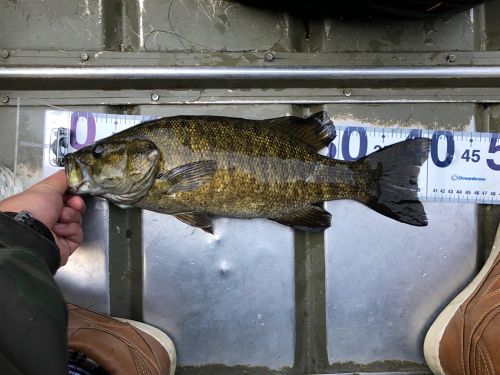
(84, 280)
(202, 291)
(47, 24)
(209, 25)
(7, 140)
(387, 282)
(449, 32)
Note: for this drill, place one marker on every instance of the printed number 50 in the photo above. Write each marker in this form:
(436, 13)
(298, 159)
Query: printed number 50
(493, 148)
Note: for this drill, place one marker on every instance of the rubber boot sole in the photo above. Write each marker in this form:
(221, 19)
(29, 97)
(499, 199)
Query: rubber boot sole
(160, 336)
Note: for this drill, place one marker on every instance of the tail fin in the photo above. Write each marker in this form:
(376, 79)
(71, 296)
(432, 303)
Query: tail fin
(393, 192)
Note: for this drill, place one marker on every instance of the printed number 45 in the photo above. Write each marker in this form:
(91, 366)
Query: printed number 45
(471, 156)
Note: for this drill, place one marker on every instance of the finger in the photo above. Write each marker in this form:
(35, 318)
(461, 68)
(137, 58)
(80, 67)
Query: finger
(76, 202)
(70, 215)
(70, 231)
(56, 182)
(64, 249)
(67, 248)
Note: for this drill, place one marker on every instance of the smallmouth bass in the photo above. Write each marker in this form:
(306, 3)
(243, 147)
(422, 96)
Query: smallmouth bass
(199, 167)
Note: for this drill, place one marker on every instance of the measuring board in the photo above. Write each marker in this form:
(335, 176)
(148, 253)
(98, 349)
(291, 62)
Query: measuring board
(462, 166)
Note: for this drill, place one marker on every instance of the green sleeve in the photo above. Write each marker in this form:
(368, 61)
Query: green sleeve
(33, 315)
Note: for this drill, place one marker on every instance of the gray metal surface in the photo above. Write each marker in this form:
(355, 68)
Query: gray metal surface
(258, 96)
(208, 26)
(455, 32)
(7, 140)
(84, 280)
(83, 19)
(226, 298)
(387, 282)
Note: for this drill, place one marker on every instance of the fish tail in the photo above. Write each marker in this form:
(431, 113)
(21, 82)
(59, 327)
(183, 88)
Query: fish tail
(392, 189)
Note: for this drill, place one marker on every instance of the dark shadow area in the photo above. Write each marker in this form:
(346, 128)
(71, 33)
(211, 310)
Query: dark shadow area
(355, 9)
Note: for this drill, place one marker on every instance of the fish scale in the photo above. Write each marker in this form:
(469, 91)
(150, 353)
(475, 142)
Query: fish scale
(274, 164)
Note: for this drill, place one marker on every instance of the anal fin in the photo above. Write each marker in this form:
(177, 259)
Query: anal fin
(309, 219)
(197, 220)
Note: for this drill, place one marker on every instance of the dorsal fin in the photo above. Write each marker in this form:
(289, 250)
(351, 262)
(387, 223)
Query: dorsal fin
(317, 131)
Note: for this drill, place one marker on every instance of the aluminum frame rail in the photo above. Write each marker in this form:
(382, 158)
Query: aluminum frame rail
(357, 76)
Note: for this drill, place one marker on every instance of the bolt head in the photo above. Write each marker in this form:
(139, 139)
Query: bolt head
(84, 56)
(347, 92)
(4, 98)
(451, 58)
(4, 54)
(269, 57)
(155, 97)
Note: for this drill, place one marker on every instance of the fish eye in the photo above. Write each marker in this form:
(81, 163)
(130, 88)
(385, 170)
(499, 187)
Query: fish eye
(98, 151)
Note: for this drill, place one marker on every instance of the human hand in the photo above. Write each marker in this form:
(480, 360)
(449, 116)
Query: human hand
(62, 214)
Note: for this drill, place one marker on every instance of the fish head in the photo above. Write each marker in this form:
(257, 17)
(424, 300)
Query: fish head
(122, 171)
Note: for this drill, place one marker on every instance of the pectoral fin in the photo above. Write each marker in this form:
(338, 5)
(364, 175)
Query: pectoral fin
(309, 219)
(197, 220)
(189, 176)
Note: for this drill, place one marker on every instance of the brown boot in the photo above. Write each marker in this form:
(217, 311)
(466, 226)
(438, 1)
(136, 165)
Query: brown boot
(120, 346)
(465, 338)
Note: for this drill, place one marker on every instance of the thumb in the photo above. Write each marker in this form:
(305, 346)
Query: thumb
(57, 182)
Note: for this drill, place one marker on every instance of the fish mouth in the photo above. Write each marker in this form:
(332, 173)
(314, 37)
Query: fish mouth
(77, 183)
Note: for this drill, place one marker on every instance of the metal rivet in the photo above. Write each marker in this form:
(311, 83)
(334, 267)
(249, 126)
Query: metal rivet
(4, 98)
(4, 54)
(347, 92)
(451, 58)
(155, 97)
(269, 57)
(84, 56)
